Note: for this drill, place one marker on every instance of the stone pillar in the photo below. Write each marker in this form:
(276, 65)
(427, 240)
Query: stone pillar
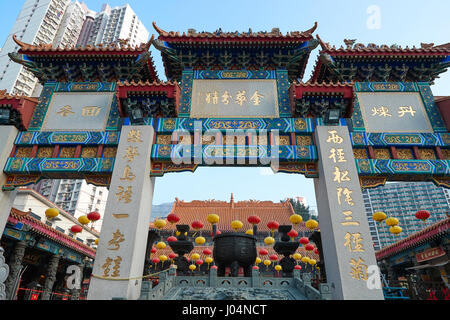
(347, 245)
(8, 135)
(213, 277)
(76, 292)
(256, 278)
(120, 256)
(15, 266)
(4, 271)
(50, 277)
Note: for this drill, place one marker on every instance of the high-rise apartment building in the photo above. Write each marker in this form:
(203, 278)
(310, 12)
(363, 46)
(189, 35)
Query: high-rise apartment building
(71, 25)
(112, 24)
(64, 23)
(38, 23)
(402, 201)
(74, 196)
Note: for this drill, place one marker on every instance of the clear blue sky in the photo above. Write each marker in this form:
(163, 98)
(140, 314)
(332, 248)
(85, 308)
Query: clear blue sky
(406, 23)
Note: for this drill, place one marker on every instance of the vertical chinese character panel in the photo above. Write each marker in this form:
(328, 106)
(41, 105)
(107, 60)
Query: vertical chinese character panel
(120, 255)
(346, 241)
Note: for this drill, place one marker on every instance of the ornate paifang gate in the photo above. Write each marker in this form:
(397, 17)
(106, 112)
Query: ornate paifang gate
(366, 116)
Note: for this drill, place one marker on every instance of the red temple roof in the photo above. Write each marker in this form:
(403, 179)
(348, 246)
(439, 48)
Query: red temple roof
(22, 104)
(170, 89)
(50, 233)
(189, 212)
(113, 48)
(415, 239)
(359, 49)
(234, 36)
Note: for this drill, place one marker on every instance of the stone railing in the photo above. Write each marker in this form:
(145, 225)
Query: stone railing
(301, 283)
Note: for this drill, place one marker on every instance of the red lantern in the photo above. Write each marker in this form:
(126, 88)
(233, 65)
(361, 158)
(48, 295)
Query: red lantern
(316, 251)
(197, 225)
(199, 262)
(273, 257)
(303, 240)
(93, 216)
(309, 247)
(263, 252)
(156, 260)
(172, 255)
(422, 215)
(273, 225)
(76, 228)
(255, 268)
(171, 238)
(173, 218)
(153, 250)
(297, 267)
(253, 220)
(293, 233)
(207, 252)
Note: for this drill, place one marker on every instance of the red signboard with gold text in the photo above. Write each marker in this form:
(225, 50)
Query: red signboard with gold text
(430, 254)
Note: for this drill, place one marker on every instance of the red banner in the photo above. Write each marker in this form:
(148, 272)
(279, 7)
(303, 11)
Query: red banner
(430, 254)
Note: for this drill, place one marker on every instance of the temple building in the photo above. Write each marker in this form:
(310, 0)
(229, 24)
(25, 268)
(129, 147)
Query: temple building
(39, 249)
(419, 263)
(190, 213)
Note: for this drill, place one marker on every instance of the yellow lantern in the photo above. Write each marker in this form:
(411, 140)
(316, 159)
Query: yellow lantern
(249, 231)
(213, 218)
(83, 220)
(305, 259)
(379, 216)
(51, 213)
(160, 245)
(311, 224)
(278, 267)
(208, 260)
(163, 257)
(269, 240)
(236, 224)
(160, 223)
(295, 219)
(312, 261)
(391, 221)
(395, 230)
(258, 260)
(200, 240)
(297, 256)
(96, 241)
(267, 263)
(195, 256)
(192, 267)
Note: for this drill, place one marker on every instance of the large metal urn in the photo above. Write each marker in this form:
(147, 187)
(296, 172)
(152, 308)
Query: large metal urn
(234, 250)
(286, 248)
(181, 247)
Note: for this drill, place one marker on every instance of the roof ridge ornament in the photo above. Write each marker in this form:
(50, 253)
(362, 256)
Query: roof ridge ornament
(310, 31)
(159, 30)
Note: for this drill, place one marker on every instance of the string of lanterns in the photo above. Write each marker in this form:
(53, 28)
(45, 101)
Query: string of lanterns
(196, 262)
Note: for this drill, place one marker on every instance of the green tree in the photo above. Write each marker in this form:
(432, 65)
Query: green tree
(300, 209)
